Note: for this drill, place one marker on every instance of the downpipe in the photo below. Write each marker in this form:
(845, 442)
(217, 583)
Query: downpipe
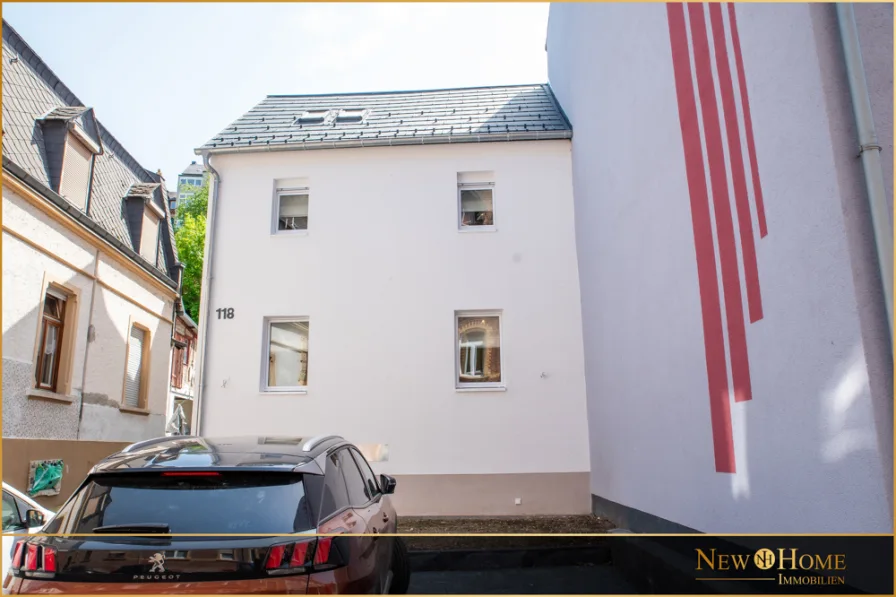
(869, 151)
(205, 293)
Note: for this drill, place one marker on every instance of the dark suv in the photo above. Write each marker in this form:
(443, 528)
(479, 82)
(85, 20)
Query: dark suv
(202, 515)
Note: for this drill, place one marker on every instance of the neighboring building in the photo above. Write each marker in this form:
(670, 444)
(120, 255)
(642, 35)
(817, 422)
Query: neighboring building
(400, 269)
(90, 274)
(189, 180)
(172, 203)
(738, 362)
(183, 360)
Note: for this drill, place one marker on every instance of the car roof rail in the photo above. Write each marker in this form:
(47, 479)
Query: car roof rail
(316, 441)
(151, 442)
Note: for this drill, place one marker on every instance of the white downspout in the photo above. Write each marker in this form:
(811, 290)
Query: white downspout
(870, 151)
(205, 293)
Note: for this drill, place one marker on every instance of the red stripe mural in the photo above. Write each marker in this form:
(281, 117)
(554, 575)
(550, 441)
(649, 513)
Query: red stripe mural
(693, 104)
(748, 121)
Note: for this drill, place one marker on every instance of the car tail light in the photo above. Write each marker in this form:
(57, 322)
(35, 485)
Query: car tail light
(39, 560)
(308, 555)
(275, 557)
(322, 553)
(49, 559)
(31, 558)
(17, 555)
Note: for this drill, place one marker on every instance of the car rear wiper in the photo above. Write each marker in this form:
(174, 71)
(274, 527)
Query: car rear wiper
(143, 527)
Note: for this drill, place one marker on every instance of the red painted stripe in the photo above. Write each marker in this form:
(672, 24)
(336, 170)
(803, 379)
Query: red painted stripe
(748, 122)
(713, 339)
(734, 310)
(738, 176)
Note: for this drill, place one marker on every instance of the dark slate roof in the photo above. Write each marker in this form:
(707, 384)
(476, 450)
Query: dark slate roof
(511, 113)
(31, 93)
(68, 113)
(145, 190)
(193, 169)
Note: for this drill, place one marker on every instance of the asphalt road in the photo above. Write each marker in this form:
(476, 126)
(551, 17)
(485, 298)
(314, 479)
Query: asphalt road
(523, 581)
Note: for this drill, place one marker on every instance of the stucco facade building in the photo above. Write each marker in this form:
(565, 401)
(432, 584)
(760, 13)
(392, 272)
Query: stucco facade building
(400, 268)
(90, 273)
(737, 355)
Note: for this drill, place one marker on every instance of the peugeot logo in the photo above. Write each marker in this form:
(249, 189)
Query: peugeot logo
(158, 563)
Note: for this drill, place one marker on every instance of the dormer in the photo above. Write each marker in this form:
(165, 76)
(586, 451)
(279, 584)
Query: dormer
(144, 218)
(71, 141)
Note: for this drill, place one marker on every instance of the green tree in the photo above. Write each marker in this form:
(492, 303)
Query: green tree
(190, 239)
(189, 235)
(195, 205)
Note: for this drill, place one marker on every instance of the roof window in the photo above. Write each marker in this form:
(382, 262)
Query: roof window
(352, 115)
(313, 116)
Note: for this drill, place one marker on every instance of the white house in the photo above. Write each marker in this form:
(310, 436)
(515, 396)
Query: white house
(735, 259)
(90, 278)
(400, 269)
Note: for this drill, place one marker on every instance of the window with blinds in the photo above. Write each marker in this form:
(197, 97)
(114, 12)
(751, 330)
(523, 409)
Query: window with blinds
(134, 380)
(76, 166)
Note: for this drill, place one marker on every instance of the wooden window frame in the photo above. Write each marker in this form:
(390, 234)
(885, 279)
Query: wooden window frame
(62, 383)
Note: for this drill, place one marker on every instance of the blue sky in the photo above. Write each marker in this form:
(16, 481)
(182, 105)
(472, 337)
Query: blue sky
(166, 77)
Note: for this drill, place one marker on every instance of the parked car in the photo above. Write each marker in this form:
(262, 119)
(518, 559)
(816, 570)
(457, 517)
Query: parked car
(21, 515)
(291, 515)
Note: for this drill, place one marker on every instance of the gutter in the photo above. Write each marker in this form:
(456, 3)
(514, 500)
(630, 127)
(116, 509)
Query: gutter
(205, 293)
(79, 216)
(869, 151)
(419, 140)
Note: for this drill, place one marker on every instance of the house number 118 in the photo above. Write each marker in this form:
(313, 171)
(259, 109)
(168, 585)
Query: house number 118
(225, 313)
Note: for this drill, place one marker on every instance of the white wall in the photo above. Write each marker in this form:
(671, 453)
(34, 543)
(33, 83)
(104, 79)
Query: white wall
(380, 274)
(24, 271)
(811, 454)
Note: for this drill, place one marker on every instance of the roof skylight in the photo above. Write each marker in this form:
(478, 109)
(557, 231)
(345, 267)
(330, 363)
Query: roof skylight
(313, 116)
(351, 115)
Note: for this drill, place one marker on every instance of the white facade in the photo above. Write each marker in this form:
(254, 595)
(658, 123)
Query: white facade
(41, 250)
(379, 276)
(812, 449)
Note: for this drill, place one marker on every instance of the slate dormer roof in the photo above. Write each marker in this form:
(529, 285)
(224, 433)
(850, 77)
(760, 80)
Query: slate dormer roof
(467, 115)
(35, 101)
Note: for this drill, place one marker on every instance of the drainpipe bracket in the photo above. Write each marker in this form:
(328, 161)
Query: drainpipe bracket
(867, 147)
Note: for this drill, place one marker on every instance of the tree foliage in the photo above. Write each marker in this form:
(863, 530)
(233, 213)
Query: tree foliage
(189, 225)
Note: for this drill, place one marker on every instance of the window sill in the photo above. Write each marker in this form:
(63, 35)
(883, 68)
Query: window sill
(290, 233)
(37, 394)
(289, 392)
(464, 389)
(133, 411)
(466, 229)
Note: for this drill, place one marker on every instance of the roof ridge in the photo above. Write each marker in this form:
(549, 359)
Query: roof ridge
(404, 91)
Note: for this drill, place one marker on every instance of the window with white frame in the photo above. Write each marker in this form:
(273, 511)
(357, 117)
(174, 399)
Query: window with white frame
(478, 349)
(292, 210)
(286, 354)
(476, 200)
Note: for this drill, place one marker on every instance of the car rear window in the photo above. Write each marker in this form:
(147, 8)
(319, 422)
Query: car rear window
(212, 503)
